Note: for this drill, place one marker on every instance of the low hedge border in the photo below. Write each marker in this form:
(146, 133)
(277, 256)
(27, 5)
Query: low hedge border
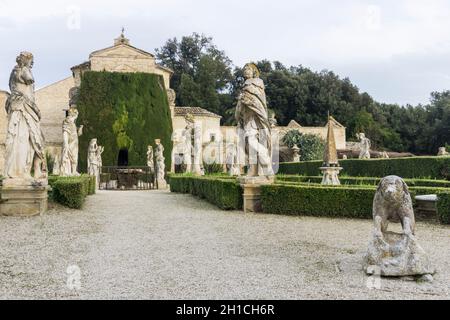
(224, 193)
(443, 207)
(336, 201)
(413, 167)
(71, 191)
(364, 181)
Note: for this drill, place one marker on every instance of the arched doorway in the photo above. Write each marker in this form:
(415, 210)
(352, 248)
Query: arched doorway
(122, 159)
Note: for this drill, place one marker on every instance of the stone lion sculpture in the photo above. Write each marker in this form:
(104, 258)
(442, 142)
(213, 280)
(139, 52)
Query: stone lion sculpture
(395, 254)
(393, 203)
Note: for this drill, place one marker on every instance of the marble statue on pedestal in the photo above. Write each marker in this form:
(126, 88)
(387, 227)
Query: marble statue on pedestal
(254, 125)
(254, 137)
(150, 162)
(93, 160)
(295, 153)
(443, 152)
(25, 143)
(364, 146)
(160, 165)
(187, 137)
(69, 155)
(24, 189)
(389, 253)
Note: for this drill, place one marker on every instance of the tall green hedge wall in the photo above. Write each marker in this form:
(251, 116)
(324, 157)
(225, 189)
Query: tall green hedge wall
(413, 167)
(124, 110)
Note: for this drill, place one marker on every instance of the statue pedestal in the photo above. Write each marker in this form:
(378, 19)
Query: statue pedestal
(397, 255)
(19, 198)
(162, 184)
(330, 176)
(252, 191)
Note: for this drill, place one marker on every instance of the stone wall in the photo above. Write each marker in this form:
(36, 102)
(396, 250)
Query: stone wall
(52, 100)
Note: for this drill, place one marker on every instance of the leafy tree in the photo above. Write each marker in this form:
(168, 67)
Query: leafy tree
(202, 72)
(311, 146)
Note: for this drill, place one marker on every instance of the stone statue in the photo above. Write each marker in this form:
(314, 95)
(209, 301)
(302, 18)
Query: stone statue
(150, 162)
(231, 161)
(344, 157)
(160, 165)
(93, 159)
(99, 156)
(443, 152)
(389, 253)
(171, 97)
(188, 134)
(56, 166)
(295, 153)
(25, 143)
(384, 155)
(69, 155)
(253, 122)
(364, 146)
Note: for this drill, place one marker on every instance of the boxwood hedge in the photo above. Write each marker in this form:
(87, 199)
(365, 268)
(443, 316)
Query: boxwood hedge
(413, 167)
(443, 207)
(364, 181)
(224, 193)
(336, 201)
(71, 191)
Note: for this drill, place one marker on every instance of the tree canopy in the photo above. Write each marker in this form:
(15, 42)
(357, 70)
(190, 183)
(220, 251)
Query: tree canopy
(204, 77)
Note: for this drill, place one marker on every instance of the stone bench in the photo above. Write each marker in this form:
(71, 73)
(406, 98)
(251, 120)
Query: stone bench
(426, 206)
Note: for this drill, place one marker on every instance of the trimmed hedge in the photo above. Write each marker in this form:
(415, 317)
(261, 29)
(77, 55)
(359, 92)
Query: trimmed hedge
(337, 201)
(71, 191)
(224, 193)
(124, 111)
(443, 207)
(413, 167)
(364, 181)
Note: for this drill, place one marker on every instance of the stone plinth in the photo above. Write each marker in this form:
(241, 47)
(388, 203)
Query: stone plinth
(397, 255)
(162, 184)
(330, 175)
(252, 191)
(23, 200)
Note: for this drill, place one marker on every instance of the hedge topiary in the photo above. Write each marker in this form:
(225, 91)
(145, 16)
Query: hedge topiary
(364, 181)
(336, 201)
(413, 167)
(71, 191)
(443, 207)
(224, 193)
(123, 110)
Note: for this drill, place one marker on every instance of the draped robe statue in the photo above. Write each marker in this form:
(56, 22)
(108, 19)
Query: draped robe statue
(93, 163)
(69, 156)
(160, 165)
(364, 145)
(253, 124)
(25, 143)
(150, 162)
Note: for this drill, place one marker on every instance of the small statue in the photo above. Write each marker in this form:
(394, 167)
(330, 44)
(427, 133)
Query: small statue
(390, 253)
(295, 153)
(384, 155)
(252, 119)
(188, 135)
(69, 156)
(25, 143)
(160, 165)
(231, 161)
(93, 160)
(150, 162)
(99, 157)
(364, 146)
(442, 152)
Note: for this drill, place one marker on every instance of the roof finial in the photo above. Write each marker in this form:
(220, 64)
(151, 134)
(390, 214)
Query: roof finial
(121, 39)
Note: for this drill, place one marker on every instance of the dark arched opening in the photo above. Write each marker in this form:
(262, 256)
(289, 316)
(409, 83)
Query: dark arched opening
(122, 159)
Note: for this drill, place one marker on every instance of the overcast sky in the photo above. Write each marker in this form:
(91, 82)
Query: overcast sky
(397, 51)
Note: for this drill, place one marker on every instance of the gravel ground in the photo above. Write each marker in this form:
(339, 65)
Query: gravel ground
(159, 245)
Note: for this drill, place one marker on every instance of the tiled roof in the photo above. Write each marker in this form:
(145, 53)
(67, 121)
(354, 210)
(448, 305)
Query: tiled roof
(196, 111)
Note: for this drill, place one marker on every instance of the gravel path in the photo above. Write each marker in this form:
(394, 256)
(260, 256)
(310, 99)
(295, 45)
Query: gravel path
(159, 245)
